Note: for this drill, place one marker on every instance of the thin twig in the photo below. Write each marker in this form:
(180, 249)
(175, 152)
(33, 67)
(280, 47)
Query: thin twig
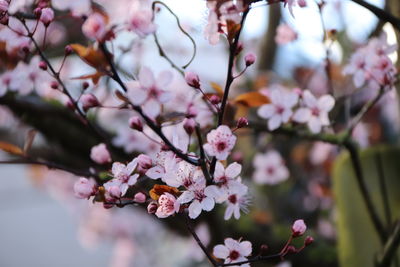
(389, 251)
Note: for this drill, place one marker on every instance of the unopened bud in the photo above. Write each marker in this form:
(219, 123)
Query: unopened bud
(54, 85)
(152, 207)
(43, 65)
(68, 50)
(249, 59)
(144, 163)
(85, 85)
(308, 241)
(191, 112)
(214, 99)
(139, 197)
(298, 228)
(37, 11)
(242, 122)
(135, 123)
(192, 79)
(189, 125)
(291, 250)
(89, 101)
(263, 249)
(47, 16)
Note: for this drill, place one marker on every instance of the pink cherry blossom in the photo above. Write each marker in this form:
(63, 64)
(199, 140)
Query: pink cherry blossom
(47, 16)
(269, 168)
(237, 200)
(315, 112)
(220, 142)
(298, 228)
(370, 65)
(85, 188)
(3, 6)
(95, 27)
(100, 154)
(279, 111)
(200, 196)
(167, 206)
(233, 251)
(285, 34)
(141, 20)
(150, 92)
(123, 176)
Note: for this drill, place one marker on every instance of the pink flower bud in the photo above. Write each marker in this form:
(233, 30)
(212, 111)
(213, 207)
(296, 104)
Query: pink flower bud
(100, 154)
(43, 65)
(136, 123)
(302, 3)
(139, 197)
(214, 99)
(68, 50)
(152, 207)
(54, 85)
(89, 101)
(191, 112)
(308, 241)
(192, 79)
(3, 6)
(85, 85)
(37, 11)
(85, 188)
(144, 163)
(115, 191)
(249, 59)
(47, 16)
(298, 228)
(242, 122)
(291, 250)
(189, 125)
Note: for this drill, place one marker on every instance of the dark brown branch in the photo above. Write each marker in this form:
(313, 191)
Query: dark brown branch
(390, 248)
(138, 109)
(380, 13)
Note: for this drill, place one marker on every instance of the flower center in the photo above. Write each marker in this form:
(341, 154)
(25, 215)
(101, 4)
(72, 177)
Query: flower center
(221, 146)
(280, 109)
(315, 111)
(270, 170)
(232, 199)
(234, 255)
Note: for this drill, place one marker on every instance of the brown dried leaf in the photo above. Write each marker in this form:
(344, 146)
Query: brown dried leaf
(95, 77)
(91, 56)
(217, 88)
(10, 148)
(252, 99)
(158, 190)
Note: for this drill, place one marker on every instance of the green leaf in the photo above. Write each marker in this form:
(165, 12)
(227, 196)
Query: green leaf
(358, 241)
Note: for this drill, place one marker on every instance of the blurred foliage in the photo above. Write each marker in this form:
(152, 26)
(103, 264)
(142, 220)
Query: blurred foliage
(358, 241)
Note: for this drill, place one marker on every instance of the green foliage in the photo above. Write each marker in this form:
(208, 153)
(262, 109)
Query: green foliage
(358, 240)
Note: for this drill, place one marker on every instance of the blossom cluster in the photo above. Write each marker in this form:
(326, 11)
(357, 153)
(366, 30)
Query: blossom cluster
(371, 65)
(297, 106)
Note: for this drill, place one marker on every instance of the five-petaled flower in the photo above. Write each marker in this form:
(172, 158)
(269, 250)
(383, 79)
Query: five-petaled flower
(233, 251)
(220, 142)
(167, 205)
(269, 168)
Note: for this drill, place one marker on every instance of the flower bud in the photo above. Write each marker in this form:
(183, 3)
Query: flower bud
(89, 101)
(115, 191)
(298, 228)
(47, 16)
(189, 125)
(308, 241)
(302, 3)
(54, 85)
(85, 85)
(37, 11)
(43, 65)
(100, 154)
(144, 163)
(214, 99)
(152, 208)
(291, 250)
(242, 122)
(249, 59)
(192, 79)
(135, 123)
(68, 50)
(139, 197)
(191, 112)
(85, 188)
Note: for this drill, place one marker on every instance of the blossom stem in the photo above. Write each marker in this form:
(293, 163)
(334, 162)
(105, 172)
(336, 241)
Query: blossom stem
(203, 164)
(115, 76)
(390, 248)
